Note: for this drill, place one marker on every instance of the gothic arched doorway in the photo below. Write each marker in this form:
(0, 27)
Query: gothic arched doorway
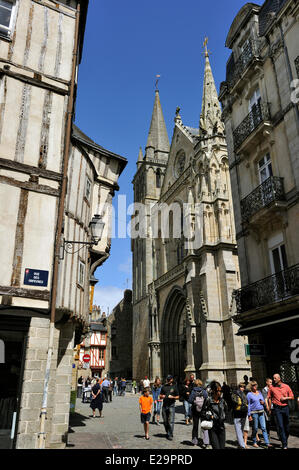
(173, 335)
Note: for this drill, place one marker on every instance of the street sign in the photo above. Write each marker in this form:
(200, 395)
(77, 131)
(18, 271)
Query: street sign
(255, 349)
(36, 277)
(86, 358)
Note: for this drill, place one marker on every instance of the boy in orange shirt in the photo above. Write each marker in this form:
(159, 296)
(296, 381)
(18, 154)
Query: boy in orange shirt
(145, 405)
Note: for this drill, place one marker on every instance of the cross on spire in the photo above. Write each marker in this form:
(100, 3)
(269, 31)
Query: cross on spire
(205, 45)
(157, 81)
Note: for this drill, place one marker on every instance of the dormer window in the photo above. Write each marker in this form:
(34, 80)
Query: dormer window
(7, 17)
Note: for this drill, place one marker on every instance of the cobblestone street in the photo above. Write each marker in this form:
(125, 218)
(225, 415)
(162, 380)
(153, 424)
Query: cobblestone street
(120, 428)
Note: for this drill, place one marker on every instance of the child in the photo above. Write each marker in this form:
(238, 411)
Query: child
(145, 405)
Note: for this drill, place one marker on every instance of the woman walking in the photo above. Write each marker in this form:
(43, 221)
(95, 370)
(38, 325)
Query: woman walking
(214, 408)
(196, 400)
(185, 395)
(256, 413)
(156, 389)
(97, 399)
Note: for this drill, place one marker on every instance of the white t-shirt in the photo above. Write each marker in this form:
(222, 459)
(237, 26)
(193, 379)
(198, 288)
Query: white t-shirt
(146, 383)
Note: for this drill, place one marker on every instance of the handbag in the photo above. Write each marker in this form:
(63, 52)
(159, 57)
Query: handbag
(206, 424)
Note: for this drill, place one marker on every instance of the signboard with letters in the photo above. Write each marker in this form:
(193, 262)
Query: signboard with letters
(255, 349)
(36, 277)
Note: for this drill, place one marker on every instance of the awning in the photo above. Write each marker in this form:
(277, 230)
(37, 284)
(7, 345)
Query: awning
(246, 329)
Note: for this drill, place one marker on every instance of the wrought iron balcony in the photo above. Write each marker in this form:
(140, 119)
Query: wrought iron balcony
(269, 191)
(258, 114)
(275, 288)
(234, 69)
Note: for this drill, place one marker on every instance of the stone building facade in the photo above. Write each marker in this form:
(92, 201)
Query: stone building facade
(53, 180)
(182, 290)
(261, 116)
(120, 338)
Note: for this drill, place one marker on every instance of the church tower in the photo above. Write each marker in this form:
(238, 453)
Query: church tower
(147, 184)
(183, 280)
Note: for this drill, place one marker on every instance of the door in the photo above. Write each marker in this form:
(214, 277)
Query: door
(278, 261)
(265, 172)
(11, 372)
(255, 109)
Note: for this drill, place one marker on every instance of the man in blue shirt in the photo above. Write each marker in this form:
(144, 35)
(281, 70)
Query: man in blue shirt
(105, 387)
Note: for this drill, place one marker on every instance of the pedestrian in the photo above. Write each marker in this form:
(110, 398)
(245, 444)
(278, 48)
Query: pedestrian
(169, 394)
(192, 382)
(145, 406)
(196, 400)
(119, 387)
(256, 413)
(105, 388)
(123, 386)
(141, 386)
(265, 391)
(214, 409)
(156, 390)
(240, 413)
(185, 395)
(226, 393)
(97, 399)
(134, 385)
(110, 390)
(279, 394)
(115, 386)
(245, 380)
(146, 382)
(80, 387)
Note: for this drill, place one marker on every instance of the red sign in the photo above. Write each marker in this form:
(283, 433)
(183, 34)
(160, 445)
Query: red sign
(86, 358)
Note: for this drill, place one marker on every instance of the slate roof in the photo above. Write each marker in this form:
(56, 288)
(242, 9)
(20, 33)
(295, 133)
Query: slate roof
(77, 134)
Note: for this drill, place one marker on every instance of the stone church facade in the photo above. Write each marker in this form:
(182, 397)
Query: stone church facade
(183, 280)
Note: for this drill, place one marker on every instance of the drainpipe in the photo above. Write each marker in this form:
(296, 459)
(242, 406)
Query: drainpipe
(70, 112)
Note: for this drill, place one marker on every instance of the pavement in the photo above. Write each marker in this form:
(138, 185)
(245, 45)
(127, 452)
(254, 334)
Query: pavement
(120, 428)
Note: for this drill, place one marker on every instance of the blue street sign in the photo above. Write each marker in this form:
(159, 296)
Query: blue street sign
(36, 277)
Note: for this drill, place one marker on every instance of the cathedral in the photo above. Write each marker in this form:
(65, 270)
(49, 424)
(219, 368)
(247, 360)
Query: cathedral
(184, 277)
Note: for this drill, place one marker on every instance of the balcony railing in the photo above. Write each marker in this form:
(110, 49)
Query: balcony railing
(258, 114)
(269, 191)
(234, 70)
(275, 288)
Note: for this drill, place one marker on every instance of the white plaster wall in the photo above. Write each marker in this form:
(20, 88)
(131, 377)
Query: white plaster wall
(9, 213)
(32, 146)
(10, 123)
(56, 133)
(39, 235)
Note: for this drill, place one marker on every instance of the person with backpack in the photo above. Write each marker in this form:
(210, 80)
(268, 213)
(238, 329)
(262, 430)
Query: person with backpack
(240, 411)
(196, 400)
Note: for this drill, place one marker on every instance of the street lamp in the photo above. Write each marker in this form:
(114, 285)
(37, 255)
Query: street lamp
(96, 226)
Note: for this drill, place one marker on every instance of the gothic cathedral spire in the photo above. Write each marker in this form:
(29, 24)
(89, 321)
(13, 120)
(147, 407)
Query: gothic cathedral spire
(210, 118)
(157, 136)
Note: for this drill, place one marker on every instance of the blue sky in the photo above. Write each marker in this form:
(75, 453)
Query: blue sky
(126, 44)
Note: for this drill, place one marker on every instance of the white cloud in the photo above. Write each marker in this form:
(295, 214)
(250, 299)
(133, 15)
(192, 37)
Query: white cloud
(126, 267)
(107, 297)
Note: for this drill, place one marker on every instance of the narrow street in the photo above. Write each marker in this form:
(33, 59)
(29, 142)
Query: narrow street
(120, 428)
